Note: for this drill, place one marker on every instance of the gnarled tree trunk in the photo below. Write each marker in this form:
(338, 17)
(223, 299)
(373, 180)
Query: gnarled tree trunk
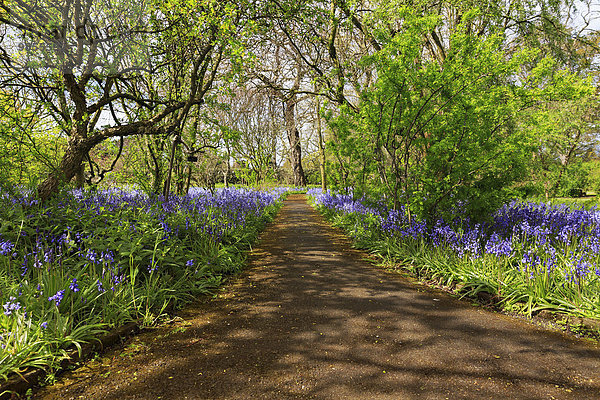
(69, 167)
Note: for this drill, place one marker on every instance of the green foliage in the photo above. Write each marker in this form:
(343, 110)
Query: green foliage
(429, 132)
(593, 168)
(27, 149)
(74, 267)
(563, 133)
(575, 180)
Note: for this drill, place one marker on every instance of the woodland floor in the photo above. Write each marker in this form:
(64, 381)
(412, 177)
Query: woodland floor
(311, 318)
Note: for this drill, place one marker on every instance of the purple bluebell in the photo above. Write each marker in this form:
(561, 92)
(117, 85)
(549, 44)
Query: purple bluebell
(57, 298)
(11, 306)
(74, 286)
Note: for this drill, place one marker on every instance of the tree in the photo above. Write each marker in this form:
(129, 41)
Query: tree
(280, 72)
(565, 135)
(250, 121)
(440, 130)
(293, 134)
(153, 68)
(321, 145)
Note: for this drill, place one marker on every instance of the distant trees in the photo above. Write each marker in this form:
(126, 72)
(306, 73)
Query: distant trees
(250, 120)
(424, 102)
(280, 71)
(565, 136)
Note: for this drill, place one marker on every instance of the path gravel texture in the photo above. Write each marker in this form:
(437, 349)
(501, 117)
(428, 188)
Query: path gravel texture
(311, 319)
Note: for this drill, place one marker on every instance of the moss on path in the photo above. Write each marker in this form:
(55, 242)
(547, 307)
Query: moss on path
(310, 319)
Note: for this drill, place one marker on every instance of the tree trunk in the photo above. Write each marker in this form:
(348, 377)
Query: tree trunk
(188, 180)
(156, 165)
(167, 187)
(294, 140)
(80, 176)
(227, 172)
(321, 149)
(70, 166)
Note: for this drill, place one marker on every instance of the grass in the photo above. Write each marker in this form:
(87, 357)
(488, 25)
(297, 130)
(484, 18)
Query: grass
(531, 257)
(87, 262)
(587, 202)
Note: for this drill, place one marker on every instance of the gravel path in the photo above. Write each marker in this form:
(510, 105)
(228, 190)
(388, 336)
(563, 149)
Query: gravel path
(311, 319)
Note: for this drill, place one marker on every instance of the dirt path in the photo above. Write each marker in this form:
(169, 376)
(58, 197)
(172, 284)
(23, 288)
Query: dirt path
(310, 319)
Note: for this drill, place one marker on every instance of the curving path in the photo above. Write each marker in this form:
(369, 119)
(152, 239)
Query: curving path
(310, 319)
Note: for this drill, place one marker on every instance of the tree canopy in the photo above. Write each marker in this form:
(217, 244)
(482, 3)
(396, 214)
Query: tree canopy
(425, 103)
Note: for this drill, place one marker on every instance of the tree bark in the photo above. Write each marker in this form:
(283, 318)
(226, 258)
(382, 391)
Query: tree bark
(227, 172)
(167, 187)
(321, 149)
(156, 167)
(80, 176)
(294, 140)
(188, 179)
(70, 166)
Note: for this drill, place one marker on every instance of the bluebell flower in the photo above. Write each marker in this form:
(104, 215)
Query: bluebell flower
(57, 298)
(73, 286)
(498, 246)
(6, 247)
(11, 306)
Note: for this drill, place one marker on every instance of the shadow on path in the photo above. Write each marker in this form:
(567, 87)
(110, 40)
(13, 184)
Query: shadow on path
(310, 319)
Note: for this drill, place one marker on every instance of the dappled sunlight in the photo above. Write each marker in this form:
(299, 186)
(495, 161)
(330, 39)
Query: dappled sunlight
(304, 325)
